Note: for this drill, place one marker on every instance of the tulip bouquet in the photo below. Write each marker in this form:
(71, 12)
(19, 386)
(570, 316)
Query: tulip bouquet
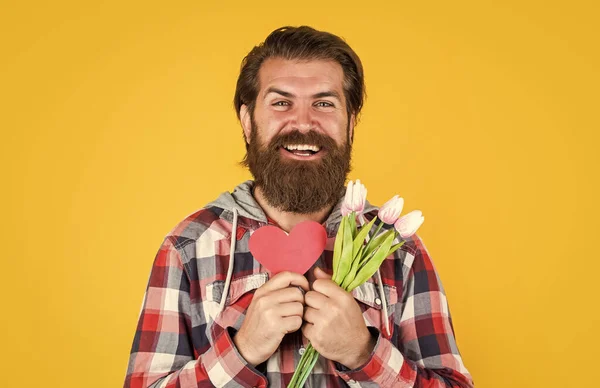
(357, 256)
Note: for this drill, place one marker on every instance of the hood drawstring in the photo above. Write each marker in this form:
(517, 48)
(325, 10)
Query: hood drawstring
(384, 310)
(231, 255)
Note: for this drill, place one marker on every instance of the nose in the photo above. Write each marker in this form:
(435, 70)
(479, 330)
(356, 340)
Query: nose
(303, 120)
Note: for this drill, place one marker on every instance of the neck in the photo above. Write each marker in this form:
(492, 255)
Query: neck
(287, 220)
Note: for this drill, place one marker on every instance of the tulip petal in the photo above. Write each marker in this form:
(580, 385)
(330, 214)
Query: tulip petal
(348, 197)
(408, 224)
(390, 211)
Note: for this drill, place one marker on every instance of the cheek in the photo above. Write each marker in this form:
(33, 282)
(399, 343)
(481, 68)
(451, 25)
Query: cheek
(274, 121)
(336, 129)
(275, 118)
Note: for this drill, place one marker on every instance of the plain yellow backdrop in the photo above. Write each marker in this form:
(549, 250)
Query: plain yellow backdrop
(117, 122)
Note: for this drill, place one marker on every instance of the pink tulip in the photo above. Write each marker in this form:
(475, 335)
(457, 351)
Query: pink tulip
(408, 224)
(390, 211)
(354, 201)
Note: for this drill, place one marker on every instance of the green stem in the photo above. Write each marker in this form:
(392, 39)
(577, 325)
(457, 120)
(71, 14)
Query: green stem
(298, 372)
(302, 365)
(314, 356)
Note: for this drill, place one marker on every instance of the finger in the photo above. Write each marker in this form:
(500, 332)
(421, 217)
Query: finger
(308, 330)
(315, 300)
(286, 295)
(329, 288)
(310, 315)
(285, 279)
(291, 324)
(320, 274)
(291, 309)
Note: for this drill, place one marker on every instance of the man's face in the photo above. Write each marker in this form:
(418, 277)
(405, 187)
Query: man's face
(299, 134)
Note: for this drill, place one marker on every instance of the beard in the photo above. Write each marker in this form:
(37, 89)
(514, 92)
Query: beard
(298, 186)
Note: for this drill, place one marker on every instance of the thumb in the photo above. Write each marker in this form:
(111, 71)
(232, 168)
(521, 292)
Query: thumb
(320, 274)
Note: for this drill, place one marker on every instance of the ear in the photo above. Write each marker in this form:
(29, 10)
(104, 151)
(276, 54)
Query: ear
(246, 122)
(351, 125)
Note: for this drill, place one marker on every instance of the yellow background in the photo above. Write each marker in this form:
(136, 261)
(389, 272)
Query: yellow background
(117, 122)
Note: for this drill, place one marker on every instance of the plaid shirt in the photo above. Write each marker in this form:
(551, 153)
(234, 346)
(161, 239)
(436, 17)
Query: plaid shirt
(184, 340)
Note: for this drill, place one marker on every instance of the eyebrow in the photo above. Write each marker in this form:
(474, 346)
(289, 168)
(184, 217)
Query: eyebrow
(328, 93)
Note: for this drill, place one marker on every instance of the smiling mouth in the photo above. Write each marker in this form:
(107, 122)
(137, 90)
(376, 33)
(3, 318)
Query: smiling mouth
(302, 150)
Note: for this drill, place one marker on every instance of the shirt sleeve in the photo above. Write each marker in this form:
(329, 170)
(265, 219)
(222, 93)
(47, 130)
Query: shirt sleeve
(163, 355)
(424, 352)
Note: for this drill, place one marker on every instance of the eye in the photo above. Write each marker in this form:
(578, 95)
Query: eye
(281, 103)
(325, 104)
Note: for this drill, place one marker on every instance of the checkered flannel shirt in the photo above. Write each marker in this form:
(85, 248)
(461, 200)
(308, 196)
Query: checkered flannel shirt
(183, 340)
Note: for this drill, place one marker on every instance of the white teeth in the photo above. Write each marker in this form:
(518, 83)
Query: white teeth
(302, 147)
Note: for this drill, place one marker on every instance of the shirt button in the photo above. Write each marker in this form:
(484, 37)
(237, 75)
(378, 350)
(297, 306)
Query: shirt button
(378, 301)
(301, 351)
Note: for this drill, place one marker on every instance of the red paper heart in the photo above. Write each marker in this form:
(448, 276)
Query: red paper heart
(296, 252)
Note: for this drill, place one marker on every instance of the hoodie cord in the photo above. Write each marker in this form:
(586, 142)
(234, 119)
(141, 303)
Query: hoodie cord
(384, 310)
(231, 255)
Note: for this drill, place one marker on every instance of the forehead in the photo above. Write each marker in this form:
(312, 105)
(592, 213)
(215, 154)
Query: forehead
(307, 75)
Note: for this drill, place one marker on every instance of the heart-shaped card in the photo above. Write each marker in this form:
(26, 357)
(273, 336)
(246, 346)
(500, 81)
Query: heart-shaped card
(296, 252)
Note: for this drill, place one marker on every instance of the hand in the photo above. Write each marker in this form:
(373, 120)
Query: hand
(276, 309)
(334, 323)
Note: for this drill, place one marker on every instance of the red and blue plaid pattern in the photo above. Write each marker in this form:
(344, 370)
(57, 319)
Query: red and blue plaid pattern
(184, 340)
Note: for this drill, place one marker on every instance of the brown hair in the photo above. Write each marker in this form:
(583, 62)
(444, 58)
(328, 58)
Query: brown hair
(304, 43)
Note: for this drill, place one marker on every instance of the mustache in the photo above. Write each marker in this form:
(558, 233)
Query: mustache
(296, 137)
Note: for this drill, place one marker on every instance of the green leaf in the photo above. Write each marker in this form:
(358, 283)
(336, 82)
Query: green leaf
(395, 248)
(359, 240)
(347, 249)
(353, 269)
(352, 219)
(357, 249)
(346, 257)
(369, 244)
(373, 264)
(376, 242)
(337, 249)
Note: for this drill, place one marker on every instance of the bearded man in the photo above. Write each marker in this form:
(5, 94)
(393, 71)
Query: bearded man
(214, 316)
